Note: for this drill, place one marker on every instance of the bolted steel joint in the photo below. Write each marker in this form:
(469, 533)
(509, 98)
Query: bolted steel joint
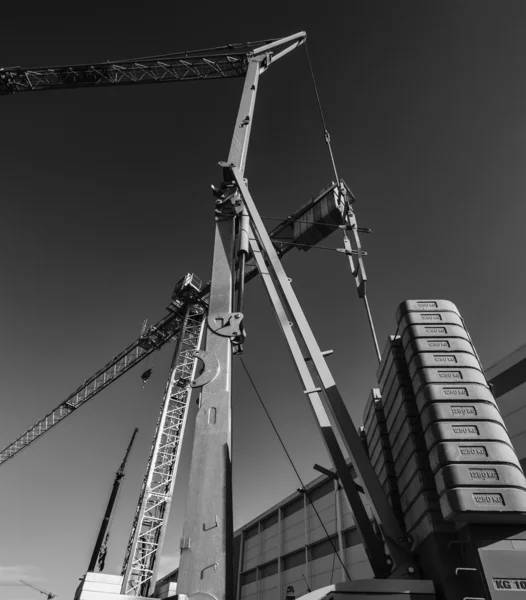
(227, 325)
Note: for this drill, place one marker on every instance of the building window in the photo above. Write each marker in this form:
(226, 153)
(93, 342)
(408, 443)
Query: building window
(294, 559)
(323, 548)
(249, 577)
(351, 537)
(523, 464)
(293, 507)
(269, 569)
(321, 490)
(252, 532)
(269, 521)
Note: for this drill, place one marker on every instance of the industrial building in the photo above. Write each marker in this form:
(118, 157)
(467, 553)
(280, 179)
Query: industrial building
(287, 546)
(508, 378)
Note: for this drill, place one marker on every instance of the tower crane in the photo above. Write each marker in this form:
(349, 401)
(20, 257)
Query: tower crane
(156, 336)
(240, 236)
(49, 595)
(151, 514)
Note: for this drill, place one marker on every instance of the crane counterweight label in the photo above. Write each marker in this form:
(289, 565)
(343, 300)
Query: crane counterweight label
(450, 374)
(473, 451)
(436, 330)
(437, 343)
(465, 429)
(463, 411)
(483, 474)
(511, 585)
(440, 358)
(455, 391)
(488, 499)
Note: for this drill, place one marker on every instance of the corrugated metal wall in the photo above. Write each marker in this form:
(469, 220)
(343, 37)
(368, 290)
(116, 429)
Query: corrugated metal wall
(289, 546)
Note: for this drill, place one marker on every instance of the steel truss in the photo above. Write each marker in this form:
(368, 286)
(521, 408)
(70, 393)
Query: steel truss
(149, 526)
(153, 339)
(212, 63)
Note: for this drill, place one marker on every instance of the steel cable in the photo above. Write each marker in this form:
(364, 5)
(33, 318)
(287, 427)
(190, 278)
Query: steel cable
(303, 488)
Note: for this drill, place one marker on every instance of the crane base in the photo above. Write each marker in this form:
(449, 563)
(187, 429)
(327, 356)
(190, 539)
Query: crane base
(375, 589)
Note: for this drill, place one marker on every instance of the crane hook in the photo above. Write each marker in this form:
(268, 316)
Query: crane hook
(146, 375)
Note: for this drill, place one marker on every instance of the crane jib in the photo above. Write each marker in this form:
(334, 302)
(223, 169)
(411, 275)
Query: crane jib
(27, 80)
(212, 63)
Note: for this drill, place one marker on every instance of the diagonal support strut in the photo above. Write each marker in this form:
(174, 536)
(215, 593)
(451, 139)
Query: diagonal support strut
(315, 374)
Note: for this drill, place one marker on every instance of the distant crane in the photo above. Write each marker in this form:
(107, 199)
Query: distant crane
(99, 551)
(49, 595)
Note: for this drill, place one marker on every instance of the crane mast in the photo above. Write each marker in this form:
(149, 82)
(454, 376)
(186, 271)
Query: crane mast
(142, 556)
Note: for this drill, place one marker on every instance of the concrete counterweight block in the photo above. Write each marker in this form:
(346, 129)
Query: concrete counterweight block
(459, 411)
(417, 463)
(424, 306)
(452, 375)
(422, 482)
(450, 452)
(415, 345)
(437, 360)
(434, 334)
(483, 505)
(454, 476)
(429, 319)
(402, 407)
(458, 393)
(465, 431)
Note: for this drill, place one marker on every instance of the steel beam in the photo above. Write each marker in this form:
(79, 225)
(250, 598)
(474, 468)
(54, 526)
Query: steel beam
(287, 322)
(508, 373)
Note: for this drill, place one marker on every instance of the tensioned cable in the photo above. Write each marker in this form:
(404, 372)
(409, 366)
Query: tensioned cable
(304, 489)
(325, 130)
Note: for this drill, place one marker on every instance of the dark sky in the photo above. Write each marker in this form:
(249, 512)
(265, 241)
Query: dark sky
(106, 203)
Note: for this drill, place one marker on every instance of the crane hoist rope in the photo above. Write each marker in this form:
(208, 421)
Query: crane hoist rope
(326, 133)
